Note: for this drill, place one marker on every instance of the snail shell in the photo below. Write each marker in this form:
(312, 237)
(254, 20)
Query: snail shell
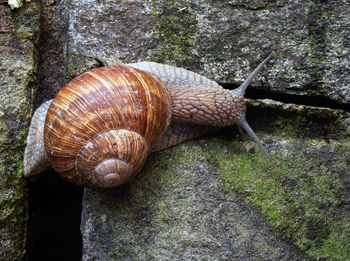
(101, 126)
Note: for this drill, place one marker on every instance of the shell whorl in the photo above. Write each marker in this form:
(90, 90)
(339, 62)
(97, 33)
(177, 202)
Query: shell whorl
(101, 125)
(112, 158)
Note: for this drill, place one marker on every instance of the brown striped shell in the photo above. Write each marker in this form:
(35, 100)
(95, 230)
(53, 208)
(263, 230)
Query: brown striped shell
(101, 126)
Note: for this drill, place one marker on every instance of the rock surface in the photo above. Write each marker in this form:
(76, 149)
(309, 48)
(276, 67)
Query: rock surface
(218, 198)
(224, 40)
(185, 215)
(17, 65)
(191, 200)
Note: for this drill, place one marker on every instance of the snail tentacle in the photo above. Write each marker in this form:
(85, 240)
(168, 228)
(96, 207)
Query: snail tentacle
(242, 88)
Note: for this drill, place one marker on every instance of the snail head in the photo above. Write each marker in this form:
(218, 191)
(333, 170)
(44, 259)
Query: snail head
(240, 118)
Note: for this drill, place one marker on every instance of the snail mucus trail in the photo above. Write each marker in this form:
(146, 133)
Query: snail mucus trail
(100, 127)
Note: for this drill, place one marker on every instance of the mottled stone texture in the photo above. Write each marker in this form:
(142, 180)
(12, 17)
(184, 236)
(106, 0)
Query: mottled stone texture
(17, 65)
(190, 202)
(176, 210)
(219, 198)
(224, 40)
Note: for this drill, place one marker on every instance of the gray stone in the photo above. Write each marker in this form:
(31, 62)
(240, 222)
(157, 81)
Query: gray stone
(224, 40)
(17, 65)
(190, 201)
(176, 211)
(218, 198)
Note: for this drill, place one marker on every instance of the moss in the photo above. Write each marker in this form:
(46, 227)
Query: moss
(299, 197)
(335, 246)
(78, 64)
(155, 165)
(173, 31)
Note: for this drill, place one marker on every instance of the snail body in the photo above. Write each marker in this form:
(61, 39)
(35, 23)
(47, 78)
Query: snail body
(99, 129)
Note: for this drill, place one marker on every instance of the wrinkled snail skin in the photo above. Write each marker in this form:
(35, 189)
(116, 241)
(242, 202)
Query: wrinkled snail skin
(99, 129)
(215, 107)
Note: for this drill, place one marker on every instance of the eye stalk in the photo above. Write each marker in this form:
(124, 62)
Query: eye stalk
(241, 89)
(241, 120)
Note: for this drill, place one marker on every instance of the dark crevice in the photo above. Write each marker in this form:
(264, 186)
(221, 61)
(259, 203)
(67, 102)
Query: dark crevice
(100, 63)
(54, 203)
(54, 219)
(309, 100)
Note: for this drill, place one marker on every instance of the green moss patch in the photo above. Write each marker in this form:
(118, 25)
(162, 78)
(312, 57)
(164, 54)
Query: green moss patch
(173, 32)
(304, 197)
(301, 197)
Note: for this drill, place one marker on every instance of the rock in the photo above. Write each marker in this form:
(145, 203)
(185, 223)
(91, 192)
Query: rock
(185, 214)
(219, 198)
(17, 65)
(176, 211)
(224, 40)
(191, 201)
(216, 198)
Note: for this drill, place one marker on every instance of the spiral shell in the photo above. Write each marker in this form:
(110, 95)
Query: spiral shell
(101, 126)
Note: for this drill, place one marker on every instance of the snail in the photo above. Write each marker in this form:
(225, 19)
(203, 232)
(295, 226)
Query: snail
(102, 125)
